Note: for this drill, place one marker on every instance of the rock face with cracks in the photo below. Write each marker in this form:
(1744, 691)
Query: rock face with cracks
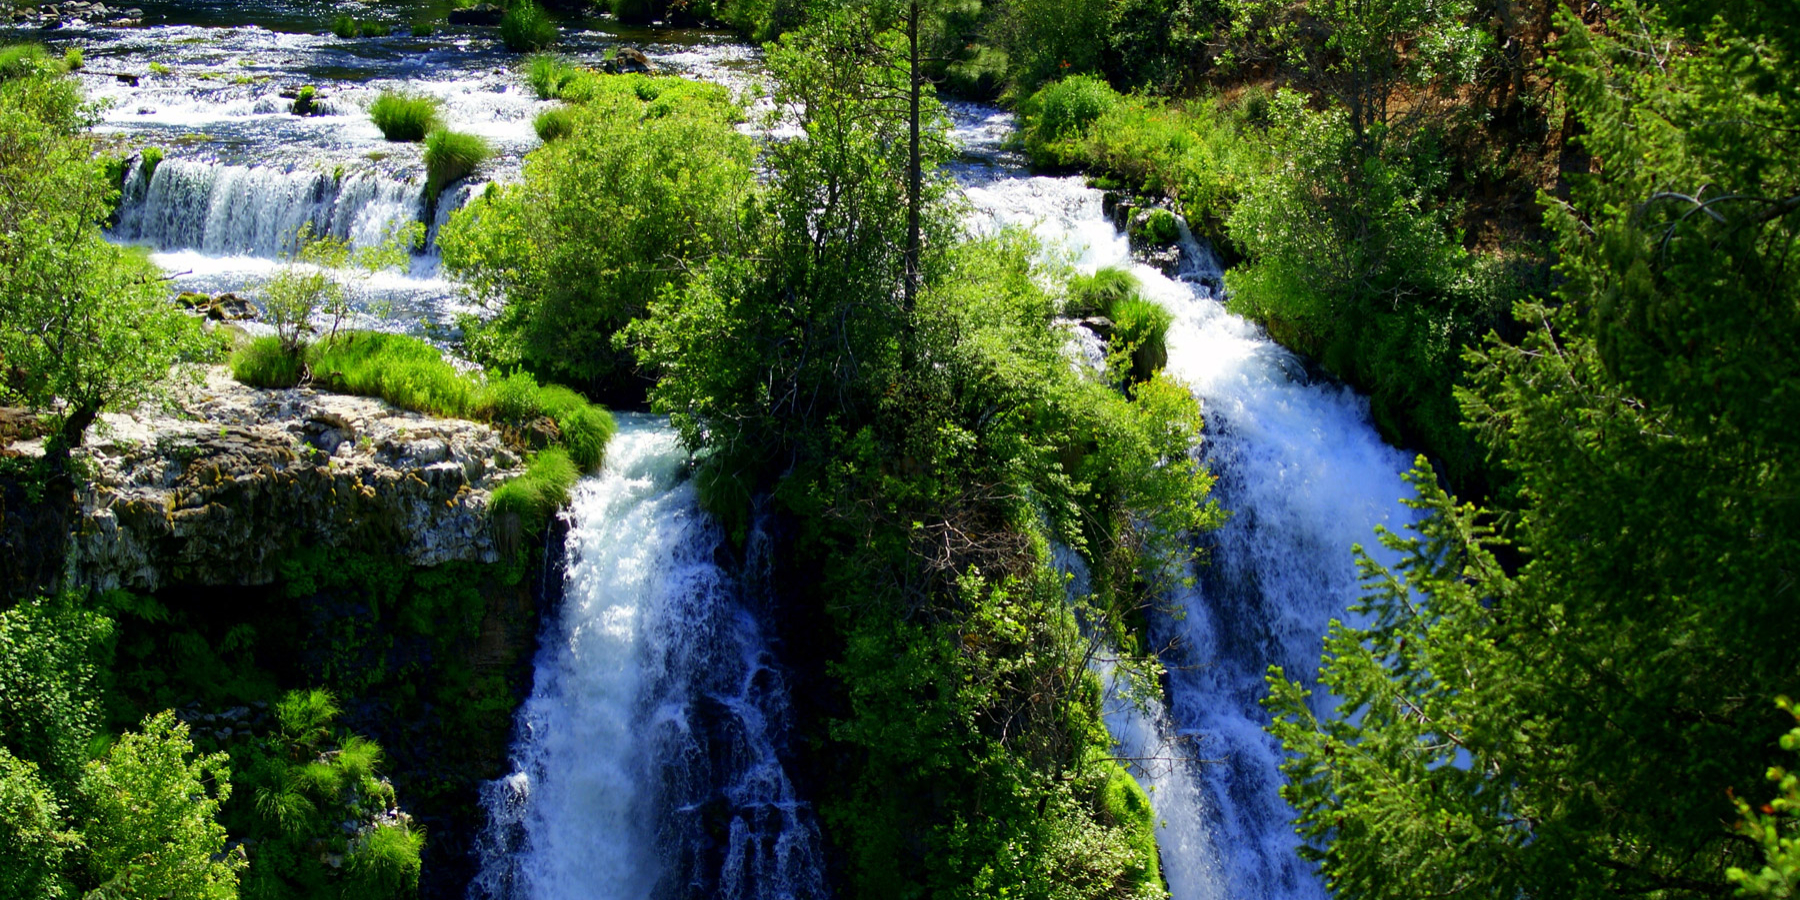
(222, 485)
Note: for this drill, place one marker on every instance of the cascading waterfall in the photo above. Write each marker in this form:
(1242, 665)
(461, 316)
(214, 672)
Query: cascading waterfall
(1306, 477)
(225, 209)
(646, 763)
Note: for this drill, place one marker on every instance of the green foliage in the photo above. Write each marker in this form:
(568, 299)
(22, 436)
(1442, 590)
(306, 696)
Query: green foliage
(1352, 262)
(33, 840)
(1200, 153)
(72, 59)
(82, 321)
(1048, 39)
(345, 27)
(1158, 227)
(535, 496)
(25, 60)
(421, 29)
(652, 179)
(452, 156)
(1096, 294)
(304, 102)
(1139, 341)
(150, 831)
(1063, 111)
(52, 654)
(554, 124)
(405, 117)
(1779, 877)
(526, 27)
(1570, 725)
(548, 74)
(322, 820)
(374, 28)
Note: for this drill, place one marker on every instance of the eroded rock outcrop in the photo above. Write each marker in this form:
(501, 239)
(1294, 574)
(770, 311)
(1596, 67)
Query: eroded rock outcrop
(220, 486)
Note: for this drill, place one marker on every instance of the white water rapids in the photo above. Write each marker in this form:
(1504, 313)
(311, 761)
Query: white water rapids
(1305, 477)
(646, 760)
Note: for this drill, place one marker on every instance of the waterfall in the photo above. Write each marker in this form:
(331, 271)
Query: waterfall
(1305, 477)
(230, 210)
(646, 761)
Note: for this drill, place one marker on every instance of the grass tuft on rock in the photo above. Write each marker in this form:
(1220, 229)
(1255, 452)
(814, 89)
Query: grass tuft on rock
(1096, 294)
(451, 156)
(548, 73)
(412, 374)
(1141, 330)
(536, 495)
(404, 117)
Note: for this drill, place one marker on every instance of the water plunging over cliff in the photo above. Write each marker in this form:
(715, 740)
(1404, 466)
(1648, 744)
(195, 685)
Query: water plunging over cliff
(1305, 477)
(646, 758)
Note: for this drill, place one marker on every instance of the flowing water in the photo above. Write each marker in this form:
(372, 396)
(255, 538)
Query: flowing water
(648, 755)
(647, 758)
(1305, 477)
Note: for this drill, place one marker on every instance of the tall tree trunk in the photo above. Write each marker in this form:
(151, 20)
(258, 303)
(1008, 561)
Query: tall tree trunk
(914, 175)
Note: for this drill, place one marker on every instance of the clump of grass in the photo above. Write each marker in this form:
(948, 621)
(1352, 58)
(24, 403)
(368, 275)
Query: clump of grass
(21, 60)
(72, 59)
(1158, 228)
(421, 29)
(1096, 294)
(404, 117)
(305, 101)
(375, 29)
(345, 27)
(526, 28)
(157, 68)
(536, 495)
(150, 158)
(264, 363)
(404, 371)
(1140, 335)
(450, 156)
(412, 374)
(554, 123)
(547, 74)
(1063, 110)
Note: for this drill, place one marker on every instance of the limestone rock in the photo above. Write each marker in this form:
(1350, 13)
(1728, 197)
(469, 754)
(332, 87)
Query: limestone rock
(222, 486)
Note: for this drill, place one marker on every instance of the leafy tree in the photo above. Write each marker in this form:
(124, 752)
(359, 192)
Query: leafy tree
(1571, 729)
(84, 325)
(1770, 826)
(52, 653)
(33, 838)
(650, 184)
(150, 826)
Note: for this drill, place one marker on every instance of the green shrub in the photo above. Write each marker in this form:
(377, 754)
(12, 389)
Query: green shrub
(421, 29)
(265, 363)
(404, 117)
(526, 27)
(1095, 295)
(305, 101)
(375, 29)
(1158, 227)
(519, 399)
(451, 156)
(1064, 110)
(1139, 343)
(547, 74)
(637, 12)
(536, 495)
(345, 27)
(554, 123)
(72, 59)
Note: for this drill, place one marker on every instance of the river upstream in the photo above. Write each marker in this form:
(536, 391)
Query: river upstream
(648, 758)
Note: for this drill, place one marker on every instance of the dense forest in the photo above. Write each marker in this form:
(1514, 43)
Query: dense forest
(1553, 245)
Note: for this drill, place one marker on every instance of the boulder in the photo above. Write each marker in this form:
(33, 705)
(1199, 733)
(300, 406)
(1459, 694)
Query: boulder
(479, 14)
(627, 60)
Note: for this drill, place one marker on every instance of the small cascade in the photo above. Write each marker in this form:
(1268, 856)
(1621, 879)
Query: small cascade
(646, 762)
(1305, 477)
(231, 210)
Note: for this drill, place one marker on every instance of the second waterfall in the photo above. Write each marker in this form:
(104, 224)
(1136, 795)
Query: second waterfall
(646, 763)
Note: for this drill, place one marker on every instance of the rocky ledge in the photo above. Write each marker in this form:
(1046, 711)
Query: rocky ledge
(219, 485)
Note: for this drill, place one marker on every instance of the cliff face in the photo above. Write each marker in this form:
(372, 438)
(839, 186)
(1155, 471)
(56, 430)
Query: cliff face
(221, 486)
